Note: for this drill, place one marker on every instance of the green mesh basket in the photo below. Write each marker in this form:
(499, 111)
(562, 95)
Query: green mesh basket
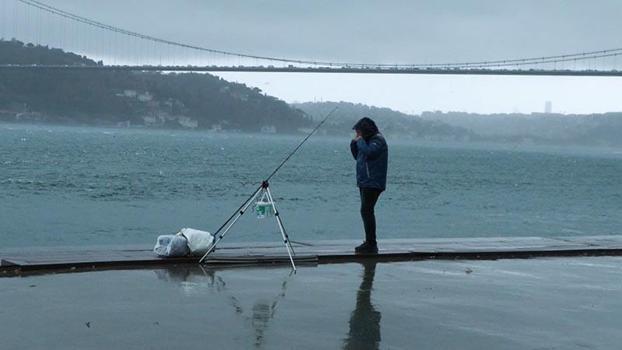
(263, 209)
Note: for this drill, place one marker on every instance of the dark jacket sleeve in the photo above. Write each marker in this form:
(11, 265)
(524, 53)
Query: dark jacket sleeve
(371, 150)
(354, 149)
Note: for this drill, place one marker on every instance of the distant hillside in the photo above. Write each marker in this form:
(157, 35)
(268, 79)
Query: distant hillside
(17, 52)
(536, 128)
(133, 98)
(389, 121)
(588, 129)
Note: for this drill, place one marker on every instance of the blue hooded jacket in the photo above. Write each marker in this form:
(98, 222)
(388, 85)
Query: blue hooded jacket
(372, 156)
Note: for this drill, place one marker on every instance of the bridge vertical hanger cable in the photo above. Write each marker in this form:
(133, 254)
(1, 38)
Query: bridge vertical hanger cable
(449, 65)
(5, 22)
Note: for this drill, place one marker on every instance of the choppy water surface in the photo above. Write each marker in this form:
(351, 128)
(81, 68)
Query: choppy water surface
(77, 186)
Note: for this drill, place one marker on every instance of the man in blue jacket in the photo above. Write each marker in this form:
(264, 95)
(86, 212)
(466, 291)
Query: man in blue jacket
(371, 152)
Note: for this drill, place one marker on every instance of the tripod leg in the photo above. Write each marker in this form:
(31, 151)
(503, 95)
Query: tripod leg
(288, 245)
(281, 225)
(289, 241)
(220, 236)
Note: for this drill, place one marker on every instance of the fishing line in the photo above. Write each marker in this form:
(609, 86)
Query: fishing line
(265, 182)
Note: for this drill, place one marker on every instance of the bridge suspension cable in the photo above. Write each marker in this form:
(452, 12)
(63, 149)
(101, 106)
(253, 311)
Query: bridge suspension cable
(581, 56)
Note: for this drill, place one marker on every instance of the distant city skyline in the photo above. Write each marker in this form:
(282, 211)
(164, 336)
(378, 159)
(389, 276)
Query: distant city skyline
(548, 106)
(473, 94)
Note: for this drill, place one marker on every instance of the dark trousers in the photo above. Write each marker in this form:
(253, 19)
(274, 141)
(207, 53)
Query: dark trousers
(369, 197)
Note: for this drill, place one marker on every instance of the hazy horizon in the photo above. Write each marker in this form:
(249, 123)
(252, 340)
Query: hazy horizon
(414, 94)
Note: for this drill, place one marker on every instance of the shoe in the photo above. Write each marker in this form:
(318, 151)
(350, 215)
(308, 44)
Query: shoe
(366, 248)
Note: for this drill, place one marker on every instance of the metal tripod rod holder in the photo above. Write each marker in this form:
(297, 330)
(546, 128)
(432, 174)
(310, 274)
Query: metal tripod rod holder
(263, 190)
(221, 234)
(286, 241)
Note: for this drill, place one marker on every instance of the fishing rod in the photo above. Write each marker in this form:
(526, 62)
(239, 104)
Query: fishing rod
(219, 234)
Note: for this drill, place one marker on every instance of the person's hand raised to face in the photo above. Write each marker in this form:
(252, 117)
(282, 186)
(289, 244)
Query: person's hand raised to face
(358, 135)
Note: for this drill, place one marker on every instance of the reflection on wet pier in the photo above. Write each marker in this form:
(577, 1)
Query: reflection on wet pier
(364, 331)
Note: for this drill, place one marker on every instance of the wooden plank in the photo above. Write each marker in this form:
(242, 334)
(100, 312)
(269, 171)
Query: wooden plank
(61, 258)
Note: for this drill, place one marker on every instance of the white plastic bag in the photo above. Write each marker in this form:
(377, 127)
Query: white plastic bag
(171, 246)
(198, 241)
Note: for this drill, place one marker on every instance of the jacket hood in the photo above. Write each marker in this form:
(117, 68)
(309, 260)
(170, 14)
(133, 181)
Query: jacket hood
(367, 127)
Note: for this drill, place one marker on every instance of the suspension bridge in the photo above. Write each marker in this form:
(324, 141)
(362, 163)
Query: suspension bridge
(116, 48)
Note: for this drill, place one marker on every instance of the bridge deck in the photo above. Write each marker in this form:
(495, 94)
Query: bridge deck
(40, 260)
(337, 70)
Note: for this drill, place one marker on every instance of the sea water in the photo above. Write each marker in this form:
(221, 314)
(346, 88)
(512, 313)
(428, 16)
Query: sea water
(92, 186)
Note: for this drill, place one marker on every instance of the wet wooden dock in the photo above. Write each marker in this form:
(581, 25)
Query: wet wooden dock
(59, 259)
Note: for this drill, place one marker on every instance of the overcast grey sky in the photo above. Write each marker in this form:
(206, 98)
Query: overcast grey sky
(390, 32)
